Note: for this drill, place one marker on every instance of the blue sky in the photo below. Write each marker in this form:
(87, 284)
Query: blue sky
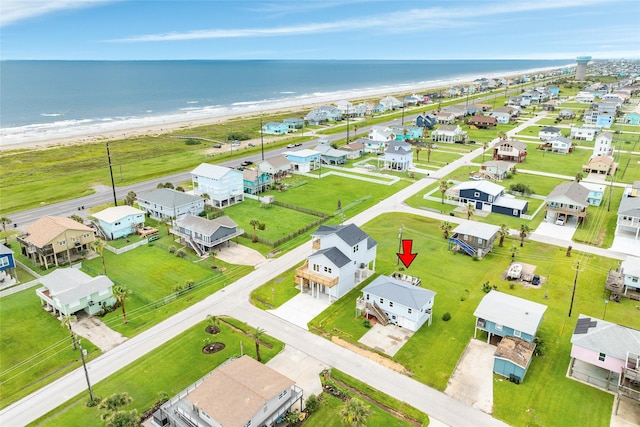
(315, 29)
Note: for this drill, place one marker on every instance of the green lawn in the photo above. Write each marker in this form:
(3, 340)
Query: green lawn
(170, 369)
(28, 359)
(433, 351)
(152, 274)
(328, 415)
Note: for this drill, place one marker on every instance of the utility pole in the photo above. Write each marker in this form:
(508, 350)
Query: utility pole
(84, 365)
(113, 185)
(399, 243)
(575, 282)
(262, 139)
(347, 124)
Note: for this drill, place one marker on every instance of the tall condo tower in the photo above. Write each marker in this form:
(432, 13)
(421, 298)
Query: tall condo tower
(581, 69)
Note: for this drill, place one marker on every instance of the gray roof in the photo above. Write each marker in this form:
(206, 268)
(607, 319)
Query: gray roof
(70, 284)
(608, 338)
(484, 186)
(400, 292)
(169, 197)
(517, 313)
(572, 190)
(631, 266)
(5, 250)
(212, 171)
(205, 226)
(550, 129)
(508, 201)
(477, 229)
(334, 255)
(398, 147)
(351, 234)
(278, 161)
(629, 206)
(327, 150)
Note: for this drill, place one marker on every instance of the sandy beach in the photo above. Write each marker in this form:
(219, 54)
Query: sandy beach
(31, 138)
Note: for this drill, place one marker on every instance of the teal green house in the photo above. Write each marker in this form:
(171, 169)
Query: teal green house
(632, 118)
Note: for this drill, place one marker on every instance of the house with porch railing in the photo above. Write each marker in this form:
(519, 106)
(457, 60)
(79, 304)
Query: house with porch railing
(203, 235)
(473, 238)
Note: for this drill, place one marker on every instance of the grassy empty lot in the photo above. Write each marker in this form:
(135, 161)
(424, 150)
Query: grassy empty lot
(433, 352)
(34, 347)
(178, 364)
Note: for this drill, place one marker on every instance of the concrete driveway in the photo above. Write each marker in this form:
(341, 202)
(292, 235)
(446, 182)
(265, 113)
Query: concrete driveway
(472, 380)
(301, 309)
(239, 254)
(388, 339)
(301, 368)
(98, 333)
(562, 232)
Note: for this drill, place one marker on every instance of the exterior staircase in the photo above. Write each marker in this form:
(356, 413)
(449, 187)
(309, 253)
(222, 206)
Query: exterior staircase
(465, 247)
(99, 230)
(195, 246)
(375, 309)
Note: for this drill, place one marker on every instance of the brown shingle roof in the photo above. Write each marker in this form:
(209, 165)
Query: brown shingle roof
(47, 228)
(237, 390)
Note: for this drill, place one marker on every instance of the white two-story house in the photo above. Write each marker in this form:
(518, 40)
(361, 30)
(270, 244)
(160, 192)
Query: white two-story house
(398, 302)
(344, 256)
(224, 186)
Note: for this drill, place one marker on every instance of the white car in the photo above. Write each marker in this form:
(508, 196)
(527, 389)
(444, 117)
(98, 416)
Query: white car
(561, 219)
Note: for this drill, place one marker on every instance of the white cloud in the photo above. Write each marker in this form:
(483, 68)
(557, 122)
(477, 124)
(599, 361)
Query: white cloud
(399, 21)
(19, 10)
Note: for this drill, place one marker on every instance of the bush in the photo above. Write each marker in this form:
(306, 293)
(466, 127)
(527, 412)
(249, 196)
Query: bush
(367, 323)
(237, 135)
(312, 404)
(521, 188)
(446, 317)
(192, 141)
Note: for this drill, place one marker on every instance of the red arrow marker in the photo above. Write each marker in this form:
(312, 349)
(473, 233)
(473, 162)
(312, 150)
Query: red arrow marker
(407, 257)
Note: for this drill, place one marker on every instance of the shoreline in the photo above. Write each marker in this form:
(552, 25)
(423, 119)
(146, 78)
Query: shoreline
(158, 125)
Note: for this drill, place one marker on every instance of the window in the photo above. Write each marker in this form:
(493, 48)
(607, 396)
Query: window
(490, 198)
(327, 270)
(390, 303)
(498, 327)
(62, 243)
(316, 267)
(601, 357)
(476, 194)
(634, 279)
(355, 248)
(283, 394)
(409, 310)
(480, 241)
(367, 297)
(381, 300)
(4, 261)
(516, 213)
(517, 334)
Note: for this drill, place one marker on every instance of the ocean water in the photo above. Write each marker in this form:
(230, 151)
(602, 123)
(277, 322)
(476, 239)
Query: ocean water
(53, 96)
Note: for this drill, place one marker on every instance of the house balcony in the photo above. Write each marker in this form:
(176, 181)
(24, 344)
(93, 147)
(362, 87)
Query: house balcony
(304, 275)
(208, 244)
(635, 222)
(581, 212)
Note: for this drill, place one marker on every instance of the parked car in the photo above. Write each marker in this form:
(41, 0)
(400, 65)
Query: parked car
(535, 280)
(217, 145)
(247, 163)
(251, 144)
(561, 219)
(476, 178)
(290, 146)
(298, 144)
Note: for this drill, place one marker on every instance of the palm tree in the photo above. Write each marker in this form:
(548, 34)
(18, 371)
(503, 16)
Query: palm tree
(123, 419)
(503, 232)
(354, 413)
(429, 146)
(167, 223)
(485, 145)
(67, 321)
(112, 404)
(514, 251)
(502, 135)
(254, 223)
(446, 228)
(417, 152)
(5, 221)
(130, 199)
(470, 210)
(257, 334)
(444, 186)
(121, 294)
(98, 247)
(579, 176)
(524, 232)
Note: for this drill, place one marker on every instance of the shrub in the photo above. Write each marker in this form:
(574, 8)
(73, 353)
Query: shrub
(367, 323)
(512, 285)
(312, 404)
(446, 317)
(192, 141)
(237, 135)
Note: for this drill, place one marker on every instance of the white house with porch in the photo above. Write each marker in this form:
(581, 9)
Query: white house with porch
(225, 186)
(344, 256)
(396, 301)
(398, 156)
(449, 133)
(66, 291)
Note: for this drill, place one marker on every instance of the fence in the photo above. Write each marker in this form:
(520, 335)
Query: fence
(301, 209)
(127, 248)
(596, 381)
